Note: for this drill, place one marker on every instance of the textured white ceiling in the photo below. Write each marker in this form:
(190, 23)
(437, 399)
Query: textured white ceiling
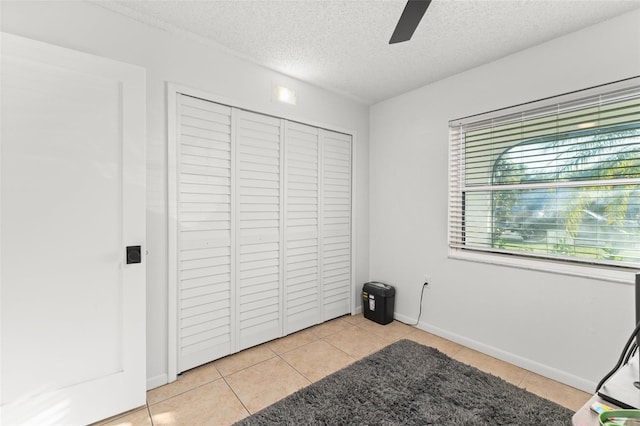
(343, 45)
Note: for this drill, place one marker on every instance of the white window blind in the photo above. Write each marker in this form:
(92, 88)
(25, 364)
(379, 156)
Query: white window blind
(558, 178)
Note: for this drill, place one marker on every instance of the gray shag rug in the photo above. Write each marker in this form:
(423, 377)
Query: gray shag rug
(410, 384)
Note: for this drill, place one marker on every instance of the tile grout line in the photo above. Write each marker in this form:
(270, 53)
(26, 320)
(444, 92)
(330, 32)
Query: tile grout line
(347, 354)
(280, 356)
(184, 391)
(523, 379)
(248, 366)
(296, 370)
(298, 347)
(236, 395)
(300, 372)
(231, 387)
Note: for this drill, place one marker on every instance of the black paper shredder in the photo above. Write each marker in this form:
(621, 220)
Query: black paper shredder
(377, 301)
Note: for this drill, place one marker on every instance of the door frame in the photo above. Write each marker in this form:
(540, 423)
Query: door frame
(173, 90)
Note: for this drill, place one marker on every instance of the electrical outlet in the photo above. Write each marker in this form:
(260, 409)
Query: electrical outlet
(427, 281)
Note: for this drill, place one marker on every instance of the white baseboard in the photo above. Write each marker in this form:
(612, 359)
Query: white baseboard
(528, 364)
(157, 381)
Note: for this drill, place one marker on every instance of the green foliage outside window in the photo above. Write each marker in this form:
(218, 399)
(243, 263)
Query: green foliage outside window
(593, 220)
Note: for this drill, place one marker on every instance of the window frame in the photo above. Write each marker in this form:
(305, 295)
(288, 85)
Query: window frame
(523, 260)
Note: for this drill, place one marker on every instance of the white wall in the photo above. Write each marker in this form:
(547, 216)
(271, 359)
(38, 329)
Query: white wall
(556, 325)
(169, 58)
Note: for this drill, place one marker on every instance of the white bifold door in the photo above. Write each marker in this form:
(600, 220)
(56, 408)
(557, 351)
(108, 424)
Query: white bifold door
(203, 239)
(302, 234)
(259, 225)
(335, 217)
(262, 231)
(317, 260)
(73, 199)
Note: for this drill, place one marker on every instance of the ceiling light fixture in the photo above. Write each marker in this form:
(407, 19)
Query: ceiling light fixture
(284, 94)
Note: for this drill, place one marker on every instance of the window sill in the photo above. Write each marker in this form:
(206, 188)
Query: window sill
(612, 274)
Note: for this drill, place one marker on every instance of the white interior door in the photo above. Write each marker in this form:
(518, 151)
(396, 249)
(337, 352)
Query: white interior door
(73, 197)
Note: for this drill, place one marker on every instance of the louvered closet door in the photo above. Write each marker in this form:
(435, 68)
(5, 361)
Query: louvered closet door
(205, 274)
(258, 142)
(302, 273)
(336, 224)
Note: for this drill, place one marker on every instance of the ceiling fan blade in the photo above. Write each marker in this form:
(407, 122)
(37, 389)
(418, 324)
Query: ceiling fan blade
(409, 20)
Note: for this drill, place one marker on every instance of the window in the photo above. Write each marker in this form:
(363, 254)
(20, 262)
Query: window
(558, 179)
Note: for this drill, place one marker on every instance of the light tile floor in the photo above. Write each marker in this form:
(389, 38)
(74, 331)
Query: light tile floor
(227, 390)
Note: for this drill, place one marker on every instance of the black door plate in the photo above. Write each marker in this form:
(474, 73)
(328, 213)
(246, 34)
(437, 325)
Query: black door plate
(134, 254)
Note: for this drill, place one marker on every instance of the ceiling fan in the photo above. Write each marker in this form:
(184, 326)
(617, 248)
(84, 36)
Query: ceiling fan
(409, 20)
